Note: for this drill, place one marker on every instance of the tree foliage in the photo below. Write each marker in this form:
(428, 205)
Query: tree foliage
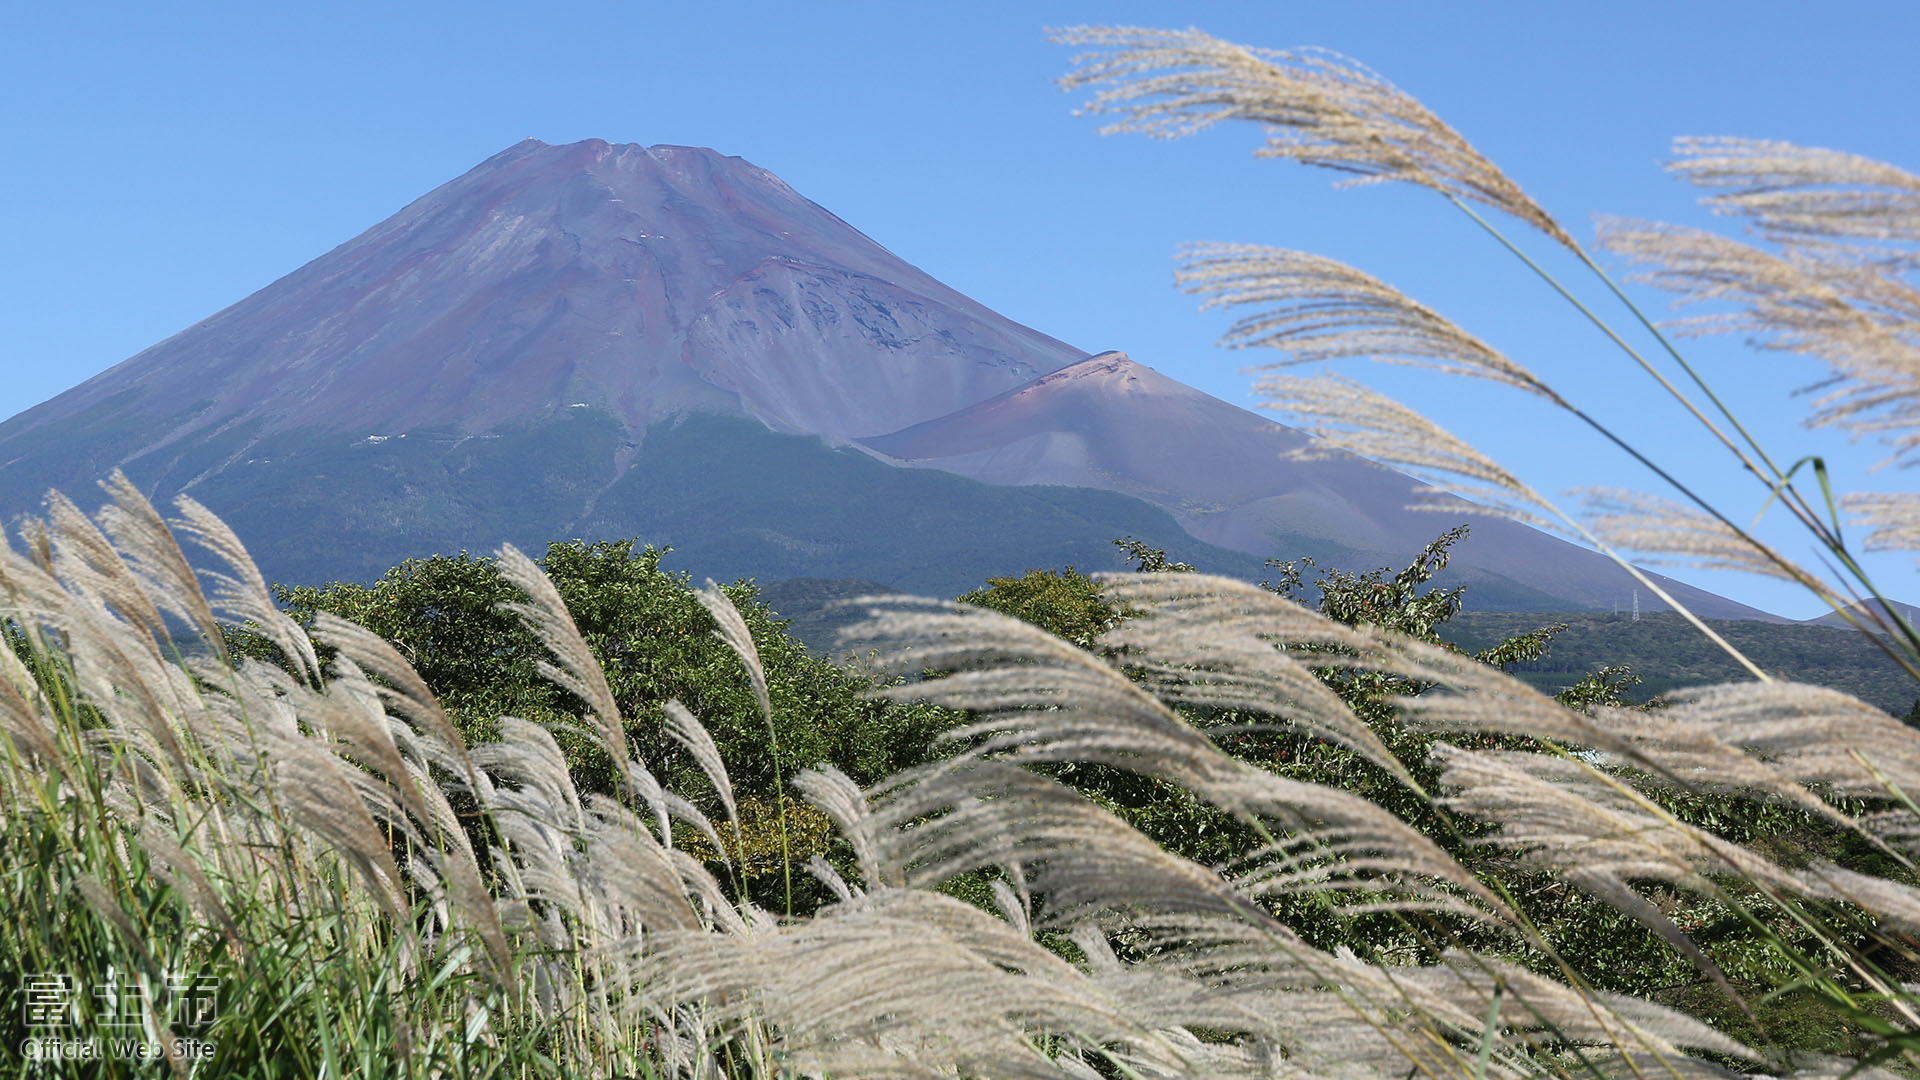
(1065, 603)
(1613, 949)
(655, 642)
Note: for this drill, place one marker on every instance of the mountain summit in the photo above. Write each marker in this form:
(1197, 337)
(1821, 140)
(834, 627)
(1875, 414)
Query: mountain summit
(649, 281)
(617, 340)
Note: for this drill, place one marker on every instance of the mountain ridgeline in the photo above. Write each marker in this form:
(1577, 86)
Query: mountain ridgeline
(664, 343)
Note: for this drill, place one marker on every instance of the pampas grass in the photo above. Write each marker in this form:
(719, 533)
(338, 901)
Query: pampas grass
(293, 835)
(1836, 290)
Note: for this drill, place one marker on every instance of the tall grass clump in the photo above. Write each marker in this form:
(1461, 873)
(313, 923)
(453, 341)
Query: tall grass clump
(225, 868)
(1835, 287)
(364, 893)
(1825, 273)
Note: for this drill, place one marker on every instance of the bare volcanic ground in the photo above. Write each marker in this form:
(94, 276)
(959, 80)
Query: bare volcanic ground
(1109, 422)
(644, 281)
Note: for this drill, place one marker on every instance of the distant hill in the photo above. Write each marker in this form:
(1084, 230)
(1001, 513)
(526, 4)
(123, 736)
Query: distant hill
(1906, 611)
(809, 607)
(1661, 648)
(1668, 654)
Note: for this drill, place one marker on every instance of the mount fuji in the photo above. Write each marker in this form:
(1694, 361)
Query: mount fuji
(610, 341)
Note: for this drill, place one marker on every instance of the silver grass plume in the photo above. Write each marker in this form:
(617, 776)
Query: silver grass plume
(147, 546)
(243, 592)
(578, 672)
(1814, 1066)
(403, 688)
(1572, 816)
(686, 729)
(835, 794)
(683, 809)
(541, 823)
(1565, 814)
(1865, 324)
(1319, 108)
(346, 718)
(1467, 695)
(1672, 534)
(529, 774)
(1206, 640)
(25, 718)
(466, 902)
(732, 629)
(636, 883)
(173, 863)
(115, 668)
(1808, 735)
(1545, 1012)
(1344, 415)
(1802, 193)
(937, 821)
(1318, 309)
(33, 532)
(84, 557)
(1330, 1013)
(1042, 699)
(539, 818)
(1340, 1012)
(1347, 417)
(1894, 518)
(825, 874)
(849, 999)
(325, 800)
(1672, 748)
(1569, 816)
(653, 796)
(443, 859)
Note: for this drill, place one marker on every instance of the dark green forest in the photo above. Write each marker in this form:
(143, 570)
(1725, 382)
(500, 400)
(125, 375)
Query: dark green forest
(1667, 654)
(1660, 649)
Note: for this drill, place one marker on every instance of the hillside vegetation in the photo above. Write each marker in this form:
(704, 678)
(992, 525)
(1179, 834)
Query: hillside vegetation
(1668, 654)
(1153, 845)
(1662, 650)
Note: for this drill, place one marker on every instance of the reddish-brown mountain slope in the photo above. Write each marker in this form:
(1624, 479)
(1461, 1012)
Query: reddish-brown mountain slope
(647, 280)
(1109, 422)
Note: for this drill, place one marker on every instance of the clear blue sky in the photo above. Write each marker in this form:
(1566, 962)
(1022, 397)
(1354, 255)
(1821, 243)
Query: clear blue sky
(163, 161)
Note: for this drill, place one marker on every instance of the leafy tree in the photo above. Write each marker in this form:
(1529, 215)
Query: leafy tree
(1069, 605)
(1368, 598)
(1149, 560)
(1623, 957)
(655, 641)
(1065, 603)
